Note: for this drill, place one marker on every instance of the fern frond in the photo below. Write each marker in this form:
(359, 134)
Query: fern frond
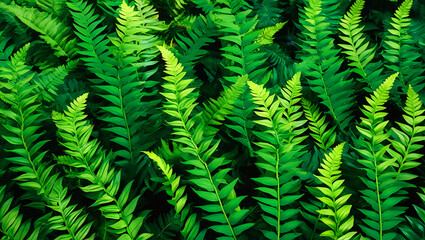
(400, 53)
(200, 35)
(224, 212)
(48, 81)
(280, 165)
(269, 12)
(217, 110)
(337, 214)
(266, 35)
(24, 125)
(357, 49)
(322, 65)
(56, 7)
(241, 49)
(11, 222)
(292, 109)
(324, 137)
(408, 138)
(416, 230)
(118, 78)
(191, 225)
(53, 32)
(382, 186)
(333, 11)
(241, 118)
(94, 166)
(69, 218)
(208, 6)
(94, 43)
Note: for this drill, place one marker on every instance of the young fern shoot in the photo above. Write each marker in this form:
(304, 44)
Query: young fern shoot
(336, 215)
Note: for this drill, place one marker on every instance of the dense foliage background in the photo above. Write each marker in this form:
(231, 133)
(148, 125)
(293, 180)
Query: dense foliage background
(203, 119)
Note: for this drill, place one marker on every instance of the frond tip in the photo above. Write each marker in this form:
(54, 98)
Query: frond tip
(336, 215)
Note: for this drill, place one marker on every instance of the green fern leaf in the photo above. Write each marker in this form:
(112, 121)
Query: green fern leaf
(209, 184)
(200, 34)
(52, 31)
(94, 166)
(191, 225)
(266, 35)
(336, 215)
(241, 118)
(400, 54)
(11, 222)
(217, 110)
(118, 77)
(324, 137)
(241, 48)
(292, 109)
(409, 136)
(357, 49)
(321, 64)
(279, 184)
(24, 124)
(382, 186)
(69, 218)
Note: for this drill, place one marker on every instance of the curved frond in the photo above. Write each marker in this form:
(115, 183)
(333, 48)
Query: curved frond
(200, 35)
(324, 137)
(191, 227)
(118, 81)
(53, 32)
(217, 110)
(240, 48)
(267, 34)
(23, 125)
